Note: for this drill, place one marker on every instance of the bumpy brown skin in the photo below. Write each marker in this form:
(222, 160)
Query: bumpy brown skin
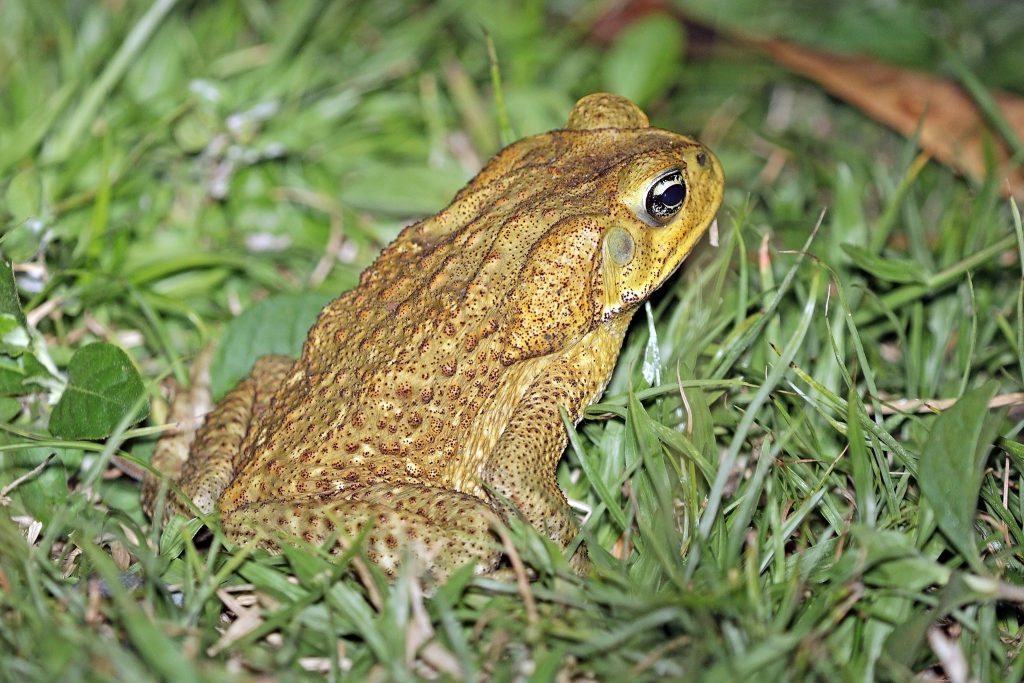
(437, 382)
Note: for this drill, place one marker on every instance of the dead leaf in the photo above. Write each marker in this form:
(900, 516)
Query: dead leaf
(953, 128)
(187, 412)
(891, 406)
(247, 619)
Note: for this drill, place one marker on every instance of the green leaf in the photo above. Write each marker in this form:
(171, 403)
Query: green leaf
(14, 339)
(9, 407)
(890, 559)
(644, 60)
(860, 462)
(43, 492)
(172, 540)
(24, 194)
(278, 325)
(907, 639)
(9, 304)
(103, 389)
(902, 271)
(272, 580)
(305, 564)
(15, 371)
(951, 470)
(23, 353)
(701, 433)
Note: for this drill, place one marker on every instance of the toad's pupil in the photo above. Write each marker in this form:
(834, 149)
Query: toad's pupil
(673, 195)
(666, 196)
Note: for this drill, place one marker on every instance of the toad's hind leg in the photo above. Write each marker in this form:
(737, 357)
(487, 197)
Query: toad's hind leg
(443, 530)
(203, 463)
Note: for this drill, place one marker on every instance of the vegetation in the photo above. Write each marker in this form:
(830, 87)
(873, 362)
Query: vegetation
(764, 498)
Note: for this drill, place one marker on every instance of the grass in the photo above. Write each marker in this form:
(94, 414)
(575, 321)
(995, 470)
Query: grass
(756, 510)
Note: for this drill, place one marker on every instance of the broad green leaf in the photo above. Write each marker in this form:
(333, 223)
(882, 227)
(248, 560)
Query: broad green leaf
(24, 194)
(645, 58)
(278, 325)
(902, 271)
(951, 469)
(9, 407)
(103, 388)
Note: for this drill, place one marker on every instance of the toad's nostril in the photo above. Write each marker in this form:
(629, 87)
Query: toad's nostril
(702, 159)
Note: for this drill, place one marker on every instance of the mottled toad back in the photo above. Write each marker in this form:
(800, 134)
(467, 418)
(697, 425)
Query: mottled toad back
(426, 400)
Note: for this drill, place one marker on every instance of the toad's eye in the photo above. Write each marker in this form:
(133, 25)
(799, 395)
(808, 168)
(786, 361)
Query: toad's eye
(665, 197)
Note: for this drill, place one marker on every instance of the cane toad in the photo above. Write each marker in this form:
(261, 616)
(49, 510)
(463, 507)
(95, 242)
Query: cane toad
(426, 400)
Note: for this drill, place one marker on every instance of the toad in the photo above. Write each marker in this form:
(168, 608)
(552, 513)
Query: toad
(426, 402)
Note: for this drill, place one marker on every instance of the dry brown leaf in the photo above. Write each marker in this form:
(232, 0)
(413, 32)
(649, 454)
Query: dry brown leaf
(953, 129)
(891, 406)
(188, 409)
(247, 619)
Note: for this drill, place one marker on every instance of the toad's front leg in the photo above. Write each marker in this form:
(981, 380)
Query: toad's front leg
(521, 468)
